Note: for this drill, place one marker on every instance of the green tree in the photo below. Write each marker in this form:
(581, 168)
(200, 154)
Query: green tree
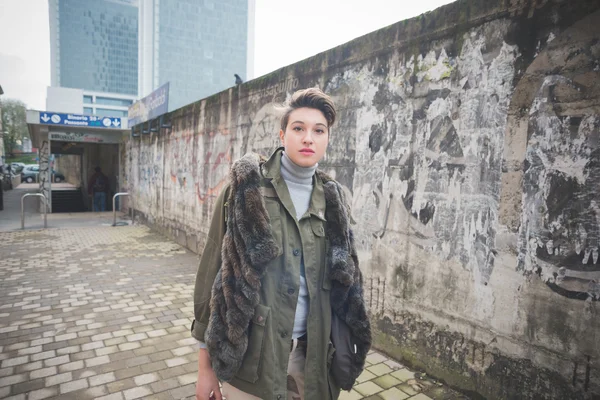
(14, 124)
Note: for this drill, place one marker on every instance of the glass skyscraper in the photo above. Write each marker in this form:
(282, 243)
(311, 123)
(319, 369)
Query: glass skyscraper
(120, 50)
(196, 45)
(94, 45)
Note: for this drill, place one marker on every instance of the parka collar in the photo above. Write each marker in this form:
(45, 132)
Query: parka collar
(271, 169)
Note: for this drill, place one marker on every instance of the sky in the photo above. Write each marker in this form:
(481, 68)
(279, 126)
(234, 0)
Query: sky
(286, 31)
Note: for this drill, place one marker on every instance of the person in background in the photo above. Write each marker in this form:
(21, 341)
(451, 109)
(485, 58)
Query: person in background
(98, 187)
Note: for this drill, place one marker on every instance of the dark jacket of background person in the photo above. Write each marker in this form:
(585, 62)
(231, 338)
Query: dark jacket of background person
(98, 183)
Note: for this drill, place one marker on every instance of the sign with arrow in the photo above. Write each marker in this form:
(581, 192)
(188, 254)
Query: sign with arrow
(77, 120)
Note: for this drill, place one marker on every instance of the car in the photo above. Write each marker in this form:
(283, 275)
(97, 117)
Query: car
(30, 172)
(17, 167)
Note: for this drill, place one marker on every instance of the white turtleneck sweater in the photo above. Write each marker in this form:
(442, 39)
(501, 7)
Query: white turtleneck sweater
(300, 185)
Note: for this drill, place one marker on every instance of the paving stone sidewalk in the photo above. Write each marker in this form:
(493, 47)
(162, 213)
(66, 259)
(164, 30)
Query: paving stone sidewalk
(104, 313)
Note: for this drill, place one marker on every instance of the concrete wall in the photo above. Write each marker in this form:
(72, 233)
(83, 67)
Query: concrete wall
(469, 140)
(70, 166)
(15, 180)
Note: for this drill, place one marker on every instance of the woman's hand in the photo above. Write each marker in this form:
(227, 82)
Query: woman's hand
(207, 385)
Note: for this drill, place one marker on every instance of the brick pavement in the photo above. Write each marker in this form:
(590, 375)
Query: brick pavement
(102, 312)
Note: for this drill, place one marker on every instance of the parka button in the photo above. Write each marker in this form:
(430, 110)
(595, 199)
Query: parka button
(291, 291)
(296, 252)
(284, 334)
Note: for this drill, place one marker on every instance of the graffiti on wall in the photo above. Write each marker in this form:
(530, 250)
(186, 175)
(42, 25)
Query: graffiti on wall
(44, 173)
(429, 139)
(214, 166)
(263, 135)
(473, 165)
(526, 7)
(423, 156)
(285, 86)
(560, 223)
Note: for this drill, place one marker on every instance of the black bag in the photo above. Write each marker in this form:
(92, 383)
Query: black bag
(345, 352)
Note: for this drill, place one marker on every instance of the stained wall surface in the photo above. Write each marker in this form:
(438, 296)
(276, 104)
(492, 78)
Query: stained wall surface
(469, 140)
(70, 166)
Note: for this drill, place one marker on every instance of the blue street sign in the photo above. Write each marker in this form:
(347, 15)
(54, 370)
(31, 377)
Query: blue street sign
(93, 121)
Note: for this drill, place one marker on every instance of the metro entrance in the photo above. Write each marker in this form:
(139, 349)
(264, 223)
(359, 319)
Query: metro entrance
(75, 145)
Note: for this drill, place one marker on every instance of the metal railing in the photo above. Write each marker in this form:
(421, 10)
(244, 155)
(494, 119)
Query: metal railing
(115, 207)
(23, 209)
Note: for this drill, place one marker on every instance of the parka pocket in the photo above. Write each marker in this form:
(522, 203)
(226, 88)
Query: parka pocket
(249, 371)
(317, 227)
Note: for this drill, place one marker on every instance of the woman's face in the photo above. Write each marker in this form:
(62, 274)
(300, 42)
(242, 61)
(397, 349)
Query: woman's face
(306, 136)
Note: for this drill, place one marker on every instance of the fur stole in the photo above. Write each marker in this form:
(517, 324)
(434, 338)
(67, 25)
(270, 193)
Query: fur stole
(248, 247)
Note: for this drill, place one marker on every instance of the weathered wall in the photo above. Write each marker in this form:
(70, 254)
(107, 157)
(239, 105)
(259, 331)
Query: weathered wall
(469, 140)
(70, 166)
(44, 175)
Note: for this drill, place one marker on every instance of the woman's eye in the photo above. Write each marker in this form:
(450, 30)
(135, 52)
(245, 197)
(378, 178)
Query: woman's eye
(297, 128)
(320, 131)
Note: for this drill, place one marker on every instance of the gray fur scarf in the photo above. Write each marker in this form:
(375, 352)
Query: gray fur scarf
(248, 246)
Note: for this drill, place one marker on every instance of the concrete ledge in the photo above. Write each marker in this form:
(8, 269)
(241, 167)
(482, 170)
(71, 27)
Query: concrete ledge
(16, 181)
(174, 232)
(479, 369)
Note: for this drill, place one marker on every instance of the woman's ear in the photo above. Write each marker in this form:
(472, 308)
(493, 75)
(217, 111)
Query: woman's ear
(282, 137)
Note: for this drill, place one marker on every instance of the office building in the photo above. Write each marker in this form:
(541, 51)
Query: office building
(112, 52)
(79, 101)
(195, 45)
(94, 49)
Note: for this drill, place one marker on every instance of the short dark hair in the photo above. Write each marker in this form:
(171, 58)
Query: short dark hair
(309, 98)
(97, 169)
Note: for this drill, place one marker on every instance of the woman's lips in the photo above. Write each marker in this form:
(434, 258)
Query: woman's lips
(307, 152)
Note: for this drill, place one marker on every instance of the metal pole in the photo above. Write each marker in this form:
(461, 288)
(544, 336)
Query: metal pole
(114, 206)
(23, 208)
(22, 213)
(45, 211)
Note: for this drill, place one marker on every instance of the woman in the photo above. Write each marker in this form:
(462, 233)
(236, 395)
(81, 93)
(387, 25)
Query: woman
(279, 263)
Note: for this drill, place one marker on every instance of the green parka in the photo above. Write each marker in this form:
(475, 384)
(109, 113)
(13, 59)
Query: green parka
(263, 372)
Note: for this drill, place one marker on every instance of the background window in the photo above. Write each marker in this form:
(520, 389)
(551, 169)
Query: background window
(107, 101)
(111, 113)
